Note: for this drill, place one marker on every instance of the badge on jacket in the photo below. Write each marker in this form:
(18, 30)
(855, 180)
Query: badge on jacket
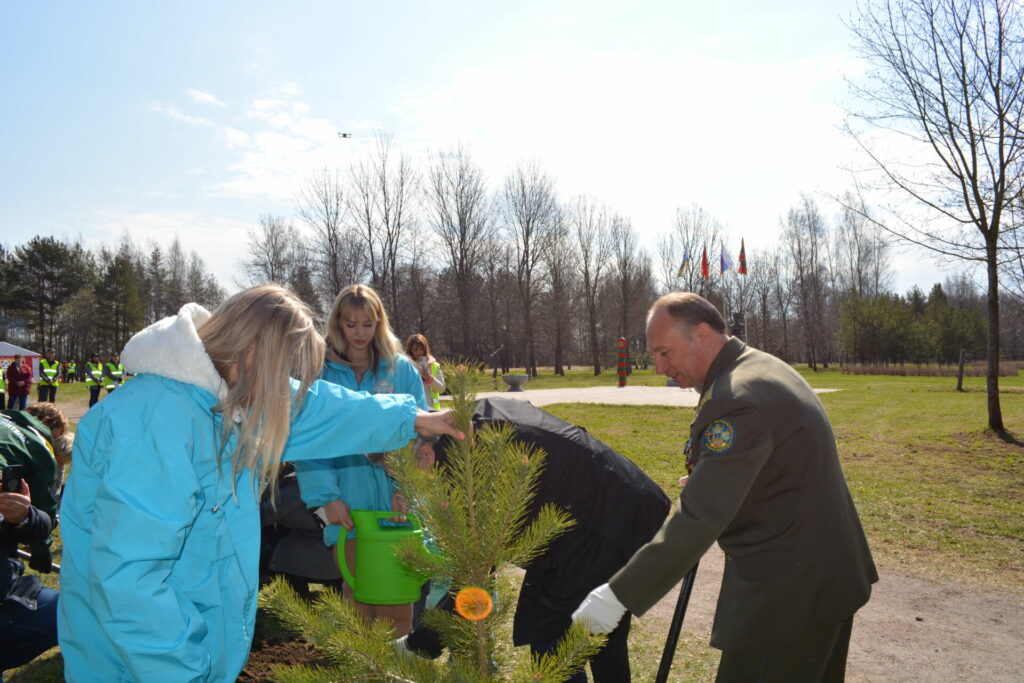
(719, 436)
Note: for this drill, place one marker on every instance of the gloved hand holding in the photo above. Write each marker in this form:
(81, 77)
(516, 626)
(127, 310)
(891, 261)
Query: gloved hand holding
(600, 611)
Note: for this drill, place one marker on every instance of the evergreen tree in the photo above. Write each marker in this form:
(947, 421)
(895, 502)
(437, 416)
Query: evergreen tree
(475, 509)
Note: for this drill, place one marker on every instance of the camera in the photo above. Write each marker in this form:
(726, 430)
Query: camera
(12, 476)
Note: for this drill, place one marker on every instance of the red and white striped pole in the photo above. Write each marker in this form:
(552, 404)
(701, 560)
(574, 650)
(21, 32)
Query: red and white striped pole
(622, 361)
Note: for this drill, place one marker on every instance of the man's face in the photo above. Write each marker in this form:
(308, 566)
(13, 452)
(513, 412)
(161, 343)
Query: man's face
(678, 353)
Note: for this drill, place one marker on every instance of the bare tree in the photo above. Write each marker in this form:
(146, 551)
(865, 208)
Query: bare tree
(804, 233)
(275, 252)
(948, 77)
(337, 253)
(531, 213)
(861, 251)
(630, 279)
(560, 263)
(590, 225)
(382, 210)
(461, 209)
(682, 248)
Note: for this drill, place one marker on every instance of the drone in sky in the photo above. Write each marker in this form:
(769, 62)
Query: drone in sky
(344, 135)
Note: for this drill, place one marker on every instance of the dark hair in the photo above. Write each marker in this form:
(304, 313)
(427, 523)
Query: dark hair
(417, 339)
(690, 310)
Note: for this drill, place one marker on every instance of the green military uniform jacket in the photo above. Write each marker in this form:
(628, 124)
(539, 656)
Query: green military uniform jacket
(767, 484)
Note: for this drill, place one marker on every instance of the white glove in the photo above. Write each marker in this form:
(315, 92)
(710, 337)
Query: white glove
(600, 611)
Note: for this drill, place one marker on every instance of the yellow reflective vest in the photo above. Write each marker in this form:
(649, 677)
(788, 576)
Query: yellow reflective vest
(49, 372)
(93, 373)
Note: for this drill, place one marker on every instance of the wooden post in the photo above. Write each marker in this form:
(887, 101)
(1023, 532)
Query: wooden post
(622, 361)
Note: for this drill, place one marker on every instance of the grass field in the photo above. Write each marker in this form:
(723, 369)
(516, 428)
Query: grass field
(938, 494)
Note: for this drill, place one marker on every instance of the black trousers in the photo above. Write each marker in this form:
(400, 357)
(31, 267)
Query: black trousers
(610, 665)
(94, 394)
(818, 658)
(47, 393)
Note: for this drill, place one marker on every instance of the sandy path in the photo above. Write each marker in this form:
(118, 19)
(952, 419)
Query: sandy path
(912, 629)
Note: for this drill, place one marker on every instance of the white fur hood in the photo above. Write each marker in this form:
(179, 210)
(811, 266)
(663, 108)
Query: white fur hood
(171, 348)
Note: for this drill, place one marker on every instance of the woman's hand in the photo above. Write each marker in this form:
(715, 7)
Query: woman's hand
(337, 513)
(439, 423)
(399, 505)
(14, 506)
(425, 457)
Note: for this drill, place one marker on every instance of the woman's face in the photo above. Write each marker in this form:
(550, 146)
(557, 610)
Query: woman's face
(358, 329)
(417, 351)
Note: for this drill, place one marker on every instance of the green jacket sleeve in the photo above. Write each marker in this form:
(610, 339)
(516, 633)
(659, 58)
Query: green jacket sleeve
(734, 443)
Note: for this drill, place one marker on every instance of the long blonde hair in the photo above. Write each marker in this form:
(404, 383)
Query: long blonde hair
(385, 344)
(267, 334)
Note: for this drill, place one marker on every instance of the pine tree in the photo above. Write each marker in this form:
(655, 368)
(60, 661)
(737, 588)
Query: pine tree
(476, 511)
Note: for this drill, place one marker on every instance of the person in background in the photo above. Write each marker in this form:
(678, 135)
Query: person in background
(29, 438)
(418, 349)
(19, 383)
(60, 441)
(28, 610)
(766, 483)
(94, 377)
(362, 355)
(113, 371)
(160, 516)
(49, 377)
(70, 372)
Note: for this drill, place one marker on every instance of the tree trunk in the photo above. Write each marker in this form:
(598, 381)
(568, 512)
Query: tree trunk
(995, 413)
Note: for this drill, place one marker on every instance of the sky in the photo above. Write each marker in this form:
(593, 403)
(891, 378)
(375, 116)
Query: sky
(191, 119)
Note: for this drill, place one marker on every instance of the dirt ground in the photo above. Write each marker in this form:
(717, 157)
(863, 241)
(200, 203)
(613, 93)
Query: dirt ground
(911, 630)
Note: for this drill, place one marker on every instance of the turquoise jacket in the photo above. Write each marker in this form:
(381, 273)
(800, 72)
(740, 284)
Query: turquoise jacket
(160, 567)
(350, 477)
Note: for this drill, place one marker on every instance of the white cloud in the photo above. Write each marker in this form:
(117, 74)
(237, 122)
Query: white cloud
(177, 114)
(203, 97)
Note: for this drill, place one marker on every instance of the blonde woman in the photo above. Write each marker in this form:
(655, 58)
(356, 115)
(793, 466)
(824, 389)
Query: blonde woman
(160, 516)
(362, 355)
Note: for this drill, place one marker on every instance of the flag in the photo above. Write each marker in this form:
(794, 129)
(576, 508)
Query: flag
(686, 262)
(742, 270)
(725, 261)
(705, 268)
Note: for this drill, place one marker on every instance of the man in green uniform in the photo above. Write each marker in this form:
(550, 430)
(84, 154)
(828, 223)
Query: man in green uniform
(49, 377)
(765, 483)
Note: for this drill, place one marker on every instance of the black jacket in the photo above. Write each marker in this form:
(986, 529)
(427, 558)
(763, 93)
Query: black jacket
(35, 529)
(617, 508)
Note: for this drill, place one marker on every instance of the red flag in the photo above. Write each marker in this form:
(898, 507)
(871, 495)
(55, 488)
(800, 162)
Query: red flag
(742, 270)
(705, 268)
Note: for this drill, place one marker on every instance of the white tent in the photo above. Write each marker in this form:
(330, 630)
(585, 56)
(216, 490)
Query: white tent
(7, 351)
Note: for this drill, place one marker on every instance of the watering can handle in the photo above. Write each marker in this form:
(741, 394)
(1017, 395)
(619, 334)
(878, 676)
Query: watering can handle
(413, 519)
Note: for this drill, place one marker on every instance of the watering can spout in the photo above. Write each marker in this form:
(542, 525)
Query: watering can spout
(380, 578)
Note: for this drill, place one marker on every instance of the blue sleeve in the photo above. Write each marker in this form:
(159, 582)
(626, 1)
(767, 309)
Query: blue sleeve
(408, 381)
(318, 481)
(335, 421)
(146, 500)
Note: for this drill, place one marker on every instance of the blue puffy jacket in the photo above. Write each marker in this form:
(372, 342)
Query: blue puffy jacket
(159, 580)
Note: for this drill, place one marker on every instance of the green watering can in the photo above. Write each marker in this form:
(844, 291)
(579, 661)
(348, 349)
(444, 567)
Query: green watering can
(382, 580)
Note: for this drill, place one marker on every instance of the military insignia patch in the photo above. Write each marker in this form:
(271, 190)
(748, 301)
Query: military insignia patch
(719, 436)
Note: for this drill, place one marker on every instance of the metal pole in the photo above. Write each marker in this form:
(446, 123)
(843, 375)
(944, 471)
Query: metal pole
(622, 361)
(677, 623)
(22, 553)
